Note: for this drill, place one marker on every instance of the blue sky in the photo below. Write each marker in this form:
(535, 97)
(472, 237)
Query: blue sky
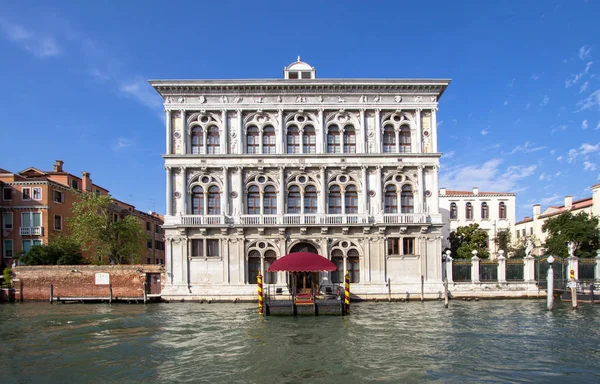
(522, 113)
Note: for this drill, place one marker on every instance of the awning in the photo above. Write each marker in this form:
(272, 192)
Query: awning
(302, 262)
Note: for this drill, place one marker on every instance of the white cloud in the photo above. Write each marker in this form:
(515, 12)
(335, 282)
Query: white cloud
(560, 158)
(40, 45)
(526, 148)
(544, 177)
(121, 143)
(588, 66)
(448, 155)
(587, 166)
(484, 132)
(550, 200)
(488, 176)
(589, 148)
(512, 83)
(584, 87)
(562, 127)
(558, 174)
(535, 76)
(584, 52)
(598, 125)
(527, 106)
(505, 103)
(590, 102)
(545, 101)
(141, 91)
(584, 124)
(572, 79)
(439, 123)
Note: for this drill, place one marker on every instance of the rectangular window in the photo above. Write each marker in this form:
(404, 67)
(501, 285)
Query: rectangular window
(306, 75)
(26, 194)
(393, 246)
(147, 260)
(74, 184)
(147, 225)
(58, 197)
(156, 228)
(7, 193)
(292, 75)
(149, 244)
(531, 231)
(57, 222)
(115, 218)
(97, 192)
(518, 233)
(7, 220)
(197, 247)
(212, 247)
(27, 244)
(408, 246)
(37, 193)
(8, 248)
(31, 219)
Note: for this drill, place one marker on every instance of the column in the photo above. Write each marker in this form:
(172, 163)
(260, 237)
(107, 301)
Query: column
(475, 268)
(435, 191)
(224, 137)
(184, 194)
(574, 266)
(363, 133)
(322, 134)
(169, 211)
(365, 191)
(379, 191)
(169, 132)
(240, 132)
(281, 147)
(225, 195)
(420, 196)
(449, 269)
(239, 207)
(378, 131)
(281, 194)
(597, 268)
(501, 267)
(184, 133)
(419, 138)
(529, 269)
(434, 141)
(323, 191)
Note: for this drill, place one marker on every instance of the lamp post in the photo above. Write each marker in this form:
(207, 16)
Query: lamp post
(445, 258)
(550, 281)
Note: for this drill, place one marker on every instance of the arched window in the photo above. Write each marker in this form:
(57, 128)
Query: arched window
(270, 200)
(335, 200)
(310, 199)
(351, 199)
(353, 266)
(270, 257)
(309, 140)
(197, 141)
(453, 211)
(293, 200)
(252, 140)
(349, 139)
(406, 199)
(253, 266)
(293, 139)
(337, 258)
(253, 200)
(269, 140)
(404, 139)
(485, 212)
(197, 200)
(212, 141)
(333, 139)
(389, 139)
(502, 210)
(391, 199)
(214, 201)
(469, 211)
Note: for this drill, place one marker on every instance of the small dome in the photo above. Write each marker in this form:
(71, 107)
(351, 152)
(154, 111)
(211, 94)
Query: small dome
(299, 70)
(299, 65)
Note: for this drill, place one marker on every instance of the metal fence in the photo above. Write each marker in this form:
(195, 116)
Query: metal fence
(586, 269)
(488, 270)
(559, 266)
(514, 270)
(461, 270)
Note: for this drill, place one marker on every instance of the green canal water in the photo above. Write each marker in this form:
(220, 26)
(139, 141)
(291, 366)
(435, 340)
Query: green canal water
(484, 341)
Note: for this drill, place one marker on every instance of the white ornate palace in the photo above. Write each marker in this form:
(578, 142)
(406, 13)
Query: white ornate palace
(257, 169)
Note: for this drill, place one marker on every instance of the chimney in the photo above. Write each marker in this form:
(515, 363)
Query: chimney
(58, 164)
(442, 191)
(536, 211)
(568, 202)
(476, 191)
(86, 182)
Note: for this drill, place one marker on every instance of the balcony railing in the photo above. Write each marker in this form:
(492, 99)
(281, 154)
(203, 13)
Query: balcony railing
(405, 218)
(203, 219)
(30, 231)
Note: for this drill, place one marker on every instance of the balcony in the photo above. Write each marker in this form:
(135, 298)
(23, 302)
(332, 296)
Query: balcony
(203, 219)
(405, 218)
(30, 231)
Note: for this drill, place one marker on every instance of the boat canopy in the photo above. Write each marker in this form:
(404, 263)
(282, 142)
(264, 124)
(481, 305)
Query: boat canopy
(302, 262)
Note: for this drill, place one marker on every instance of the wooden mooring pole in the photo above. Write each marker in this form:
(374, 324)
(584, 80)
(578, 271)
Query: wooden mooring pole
(260, 294)
(347, 292)
(110, 292)
(145, 294)
(446, 292)
(422, 288)
(51, 293)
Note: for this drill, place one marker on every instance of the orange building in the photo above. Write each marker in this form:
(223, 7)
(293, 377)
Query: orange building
(35, 205)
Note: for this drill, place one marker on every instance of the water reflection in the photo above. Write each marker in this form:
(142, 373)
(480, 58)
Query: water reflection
(485, 341)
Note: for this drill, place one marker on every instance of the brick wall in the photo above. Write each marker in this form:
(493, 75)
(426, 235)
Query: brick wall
(80, 280)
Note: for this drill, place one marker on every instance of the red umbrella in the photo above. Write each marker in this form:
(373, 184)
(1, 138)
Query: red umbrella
(302, 262)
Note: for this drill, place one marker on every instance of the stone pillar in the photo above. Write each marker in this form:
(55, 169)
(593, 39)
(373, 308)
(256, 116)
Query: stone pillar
(169, 210)
(378, 131)
(281, 194)
(240, 131)
(169, 132)
(420, 192)
(529, 269)
(224, 136)
(281, 146)
(322, 135)
(419, 132)
(363, 133)
(435, 198)
(475, 268)
(225, 195)
(239, 199)
(379, 191)
(185, 260)
(434, 135)
(184, 194)
(365, 191)
(323, 191)
(597, 268)
(501, 267)
(574, 266)
(184, 132)
(449, 269)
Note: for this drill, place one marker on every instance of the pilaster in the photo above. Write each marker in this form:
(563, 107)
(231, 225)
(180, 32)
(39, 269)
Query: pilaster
(323, 191)
(281, 194)
(240, 131)
(434, 131)
(184, 132)
(322, 135)
(362, 148)
(169, 208)
(365, 191)
(419, 138)
(225, 195)
(223, 137)
(169, 141)
(378, 131)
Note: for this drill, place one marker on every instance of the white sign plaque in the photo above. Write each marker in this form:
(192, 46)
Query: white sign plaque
(102, 279)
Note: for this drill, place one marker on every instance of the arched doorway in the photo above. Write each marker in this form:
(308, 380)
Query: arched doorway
(304, 281)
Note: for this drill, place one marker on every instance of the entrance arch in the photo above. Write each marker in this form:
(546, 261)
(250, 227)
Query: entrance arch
(304, 247)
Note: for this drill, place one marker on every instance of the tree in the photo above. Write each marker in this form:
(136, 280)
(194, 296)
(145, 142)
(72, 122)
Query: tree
(503, 241)
(110, 239)
(581, 229)
(61, 250)
(466, 239)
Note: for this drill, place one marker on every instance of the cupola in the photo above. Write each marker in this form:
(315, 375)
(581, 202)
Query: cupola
(299, 70)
